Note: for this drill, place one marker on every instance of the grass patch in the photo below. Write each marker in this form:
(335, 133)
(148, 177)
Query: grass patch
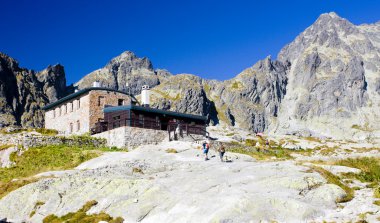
(47, 132)
(81, 216)
(332, 179)
(4, 147)
(376, 192)
(377, 202)
(369, 166)
(36, 206)
(230, 134)
(263, 154)
(171, 150)
(312, 139)
(43, 131)
(250, 142)
(9, 186)
(327, 151)
(236, 85)
(41, 159)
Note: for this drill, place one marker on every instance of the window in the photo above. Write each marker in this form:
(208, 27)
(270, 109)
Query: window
(53, 113)
(101, 101)
(116, 117)
(141, 119)
(64, 109)
(78, 104)
(157, 121)
(71, 128)
(71, 107)
(78, 125)
(116, 124)
(120, 102)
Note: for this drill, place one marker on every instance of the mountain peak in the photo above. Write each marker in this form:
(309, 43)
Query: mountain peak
(331, 15)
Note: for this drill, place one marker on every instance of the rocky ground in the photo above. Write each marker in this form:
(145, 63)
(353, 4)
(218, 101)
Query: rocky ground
(153, 184)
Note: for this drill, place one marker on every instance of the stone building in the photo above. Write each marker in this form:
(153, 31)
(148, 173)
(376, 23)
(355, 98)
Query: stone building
(77, 113)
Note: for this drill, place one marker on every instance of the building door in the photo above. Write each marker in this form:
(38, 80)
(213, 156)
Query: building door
(164, 123)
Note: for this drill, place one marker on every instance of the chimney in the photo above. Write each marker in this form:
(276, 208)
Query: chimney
(145, 96)
(96, 84)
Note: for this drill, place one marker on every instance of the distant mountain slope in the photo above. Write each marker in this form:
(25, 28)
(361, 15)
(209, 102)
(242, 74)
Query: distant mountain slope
(23, 92)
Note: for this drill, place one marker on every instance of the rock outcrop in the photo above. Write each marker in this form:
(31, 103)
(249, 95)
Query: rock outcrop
(332, 83)
(24, 92)
(125, 68)
(150, 185)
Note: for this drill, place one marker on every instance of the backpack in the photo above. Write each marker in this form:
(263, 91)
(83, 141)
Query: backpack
(207, 146)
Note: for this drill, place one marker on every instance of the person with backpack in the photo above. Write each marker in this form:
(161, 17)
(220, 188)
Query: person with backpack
(206, 147)
(221, 151)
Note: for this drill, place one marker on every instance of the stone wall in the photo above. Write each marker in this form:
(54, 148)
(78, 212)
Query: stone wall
(131, 137)
(98, 99)
(27, 140)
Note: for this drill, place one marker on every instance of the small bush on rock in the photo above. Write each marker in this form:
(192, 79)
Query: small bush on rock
(171, 150)
(81, 216)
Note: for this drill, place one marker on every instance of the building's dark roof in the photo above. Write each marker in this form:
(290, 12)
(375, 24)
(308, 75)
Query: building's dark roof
(153, 110)
(79, 93)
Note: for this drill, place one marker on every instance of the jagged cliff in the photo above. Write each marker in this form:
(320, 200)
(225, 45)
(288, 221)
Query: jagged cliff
(333, 80)
(24, 92)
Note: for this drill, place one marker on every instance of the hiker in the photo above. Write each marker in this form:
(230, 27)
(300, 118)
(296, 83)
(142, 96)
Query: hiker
(206, 147)
(221, 151)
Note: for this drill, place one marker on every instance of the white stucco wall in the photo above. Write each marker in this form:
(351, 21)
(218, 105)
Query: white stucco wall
(64, 116)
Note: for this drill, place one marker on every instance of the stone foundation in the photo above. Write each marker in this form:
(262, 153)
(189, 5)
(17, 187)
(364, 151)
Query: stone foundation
(131, 137)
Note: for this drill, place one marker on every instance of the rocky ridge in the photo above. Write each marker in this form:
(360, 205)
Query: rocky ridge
(125, 68)
(324, 83)
(24, 92)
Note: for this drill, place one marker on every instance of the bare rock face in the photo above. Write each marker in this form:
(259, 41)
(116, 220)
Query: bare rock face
(252, 98)
(124, 68)
(183, 93)
(332, 80)
(23, 92)
(54, 82)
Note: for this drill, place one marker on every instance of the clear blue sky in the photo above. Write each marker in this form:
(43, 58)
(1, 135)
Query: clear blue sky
(213, 39)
